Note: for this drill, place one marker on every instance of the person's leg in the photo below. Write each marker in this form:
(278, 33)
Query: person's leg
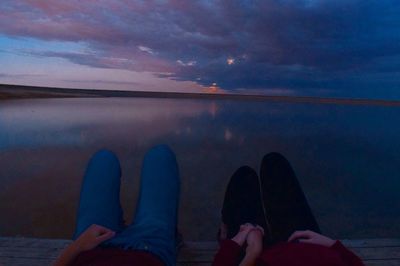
(286, 207)
(99, 198)
(154, 226)
(242, 201)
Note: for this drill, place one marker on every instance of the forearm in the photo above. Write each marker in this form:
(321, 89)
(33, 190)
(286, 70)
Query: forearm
(228, 254)
(252, 253)
(254, 248)
(89, 239)
(349, 257)
(68, 255)
(248, 260)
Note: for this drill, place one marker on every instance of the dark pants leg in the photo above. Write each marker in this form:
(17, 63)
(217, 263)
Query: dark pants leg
(286, 207)
(242, 201)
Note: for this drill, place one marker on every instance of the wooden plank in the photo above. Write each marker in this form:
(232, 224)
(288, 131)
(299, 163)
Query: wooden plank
(33, 242)
(366, 253)
(192, 255)
(42, 242)
(373, 242)
(377, 253)
(31, 251)
(382, 263)
(41, 262)
(357, 243)
(24, 262)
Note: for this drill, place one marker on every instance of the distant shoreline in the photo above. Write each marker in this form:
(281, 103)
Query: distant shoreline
(11, 92)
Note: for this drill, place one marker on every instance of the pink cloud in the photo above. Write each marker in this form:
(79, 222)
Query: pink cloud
(54, 24)
(286, 44)
(52, 8)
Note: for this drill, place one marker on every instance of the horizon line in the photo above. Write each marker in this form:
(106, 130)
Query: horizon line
(51, 92)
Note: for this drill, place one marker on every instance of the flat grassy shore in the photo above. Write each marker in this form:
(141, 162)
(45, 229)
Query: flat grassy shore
(11, 92)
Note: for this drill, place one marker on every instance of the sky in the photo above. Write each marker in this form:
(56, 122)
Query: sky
(323, 48)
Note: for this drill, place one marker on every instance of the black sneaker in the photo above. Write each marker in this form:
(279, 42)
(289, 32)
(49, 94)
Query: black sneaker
(285, 206)
(242, 202)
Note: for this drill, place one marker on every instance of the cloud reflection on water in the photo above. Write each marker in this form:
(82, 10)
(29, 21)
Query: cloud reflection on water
(60, 122)
(346, 157)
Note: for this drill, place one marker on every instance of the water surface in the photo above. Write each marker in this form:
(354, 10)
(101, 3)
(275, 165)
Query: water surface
(346, 158)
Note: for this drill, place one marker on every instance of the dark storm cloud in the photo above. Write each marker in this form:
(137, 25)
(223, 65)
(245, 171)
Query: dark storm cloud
(343, 46)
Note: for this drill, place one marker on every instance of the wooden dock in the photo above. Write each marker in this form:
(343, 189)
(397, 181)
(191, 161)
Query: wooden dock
(35, 252)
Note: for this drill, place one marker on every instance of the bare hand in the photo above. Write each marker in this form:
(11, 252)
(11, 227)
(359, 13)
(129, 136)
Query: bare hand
(88, 240)
(92, 237)
(255, 242)
(311, 237)
(254, 246)
(241, 236)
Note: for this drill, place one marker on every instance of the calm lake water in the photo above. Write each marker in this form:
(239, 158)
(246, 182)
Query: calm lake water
(347, 158)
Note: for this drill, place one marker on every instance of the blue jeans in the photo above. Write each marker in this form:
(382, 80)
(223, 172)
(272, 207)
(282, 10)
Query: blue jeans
(154, 225)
